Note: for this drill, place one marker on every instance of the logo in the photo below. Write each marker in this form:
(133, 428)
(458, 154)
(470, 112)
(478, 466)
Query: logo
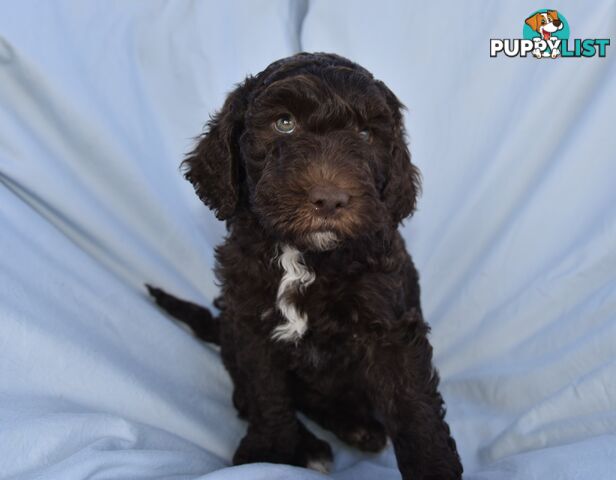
(546, 35)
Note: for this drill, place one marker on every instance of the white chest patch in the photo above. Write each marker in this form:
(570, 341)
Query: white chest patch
(295, 278)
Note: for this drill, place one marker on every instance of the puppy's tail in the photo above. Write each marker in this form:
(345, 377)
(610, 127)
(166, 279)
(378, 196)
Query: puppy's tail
(198, 318)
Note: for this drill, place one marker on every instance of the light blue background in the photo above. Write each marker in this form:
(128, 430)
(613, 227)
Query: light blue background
(515, 235)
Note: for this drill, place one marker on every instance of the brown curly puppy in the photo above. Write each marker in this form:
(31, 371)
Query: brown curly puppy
(320, 311)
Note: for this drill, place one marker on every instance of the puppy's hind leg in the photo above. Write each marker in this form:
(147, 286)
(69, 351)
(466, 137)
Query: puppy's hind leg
(198, 318)
(349, 416)
(355, 428)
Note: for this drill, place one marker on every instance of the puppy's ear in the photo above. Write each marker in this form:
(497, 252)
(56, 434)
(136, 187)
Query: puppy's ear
(533, 21)
(213, 167)
(403, 185)
(553, 15)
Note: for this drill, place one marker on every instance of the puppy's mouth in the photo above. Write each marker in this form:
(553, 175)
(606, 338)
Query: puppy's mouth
(546, 35)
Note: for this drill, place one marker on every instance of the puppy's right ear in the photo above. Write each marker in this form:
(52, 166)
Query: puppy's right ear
(213, 167)
(533, 21)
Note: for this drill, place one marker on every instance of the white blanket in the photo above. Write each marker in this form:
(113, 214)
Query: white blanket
(515, 236)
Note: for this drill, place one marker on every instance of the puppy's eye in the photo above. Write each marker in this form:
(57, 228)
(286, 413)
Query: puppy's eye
(543, 22)
(285, 124)
(365, 135)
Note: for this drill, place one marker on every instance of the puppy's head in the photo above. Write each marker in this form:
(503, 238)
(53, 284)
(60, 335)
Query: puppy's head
(545, 23)
(313, 146)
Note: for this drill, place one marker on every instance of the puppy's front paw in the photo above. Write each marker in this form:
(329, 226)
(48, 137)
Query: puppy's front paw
(302, 449)
(257, 447)
(316, 452)
(537, 53)
(555, 53)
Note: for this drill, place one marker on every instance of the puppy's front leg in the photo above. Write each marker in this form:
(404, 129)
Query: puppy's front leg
(404, 387)
(274, 434)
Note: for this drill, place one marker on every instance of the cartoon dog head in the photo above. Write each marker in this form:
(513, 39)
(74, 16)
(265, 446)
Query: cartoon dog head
(545, 24)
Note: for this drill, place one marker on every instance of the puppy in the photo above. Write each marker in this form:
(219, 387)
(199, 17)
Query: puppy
(320, 310)
(545, 24)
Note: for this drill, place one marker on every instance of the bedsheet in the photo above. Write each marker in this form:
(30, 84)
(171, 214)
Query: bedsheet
(515, 234)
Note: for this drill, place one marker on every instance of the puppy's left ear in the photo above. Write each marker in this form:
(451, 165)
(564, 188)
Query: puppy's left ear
(404, 180)
(213, 167)
(553, 14)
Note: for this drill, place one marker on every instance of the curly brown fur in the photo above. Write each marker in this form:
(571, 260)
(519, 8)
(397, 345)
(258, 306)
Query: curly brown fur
(321, 299)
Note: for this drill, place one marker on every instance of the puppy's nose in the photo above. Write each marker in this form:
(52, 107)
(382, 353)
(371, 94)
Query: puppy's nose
(328, 199)
(557, 23)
